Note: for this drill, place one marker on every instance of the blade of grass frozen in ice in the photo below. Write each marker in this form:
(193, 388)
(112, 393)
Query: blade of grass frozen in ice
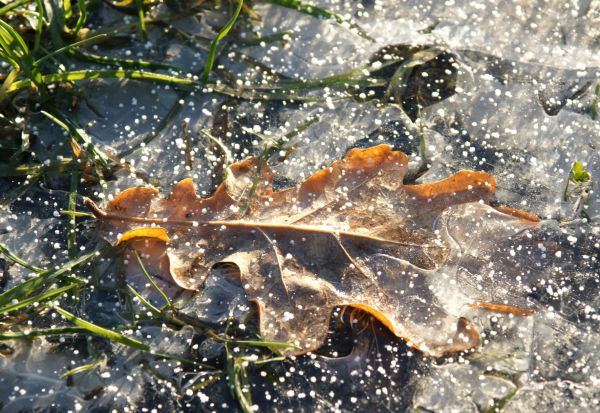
(53, 166)
(238, 381)
(271, 145)
(268, 360)
(155, 311)
(274, 345)
(70, 47)
(119, 74)
(351, 80)
(120, 62)
(498, 404)
(222, 147)
(71, 224)
(321, 13)
(8, 254)
(77, 214)
(201, 385)
(80, 136)
(163, 125)
(272, 38)
(79, 75)
(132, 26)
(56, 331)
(101, 331)
(25, 289)
(48, 295)
(210, 60)
(398, 82)
(595, 101)
(359, 77)
(117, 337)
(86, 367)
(139, 5)
(151, 281)
(253, 343)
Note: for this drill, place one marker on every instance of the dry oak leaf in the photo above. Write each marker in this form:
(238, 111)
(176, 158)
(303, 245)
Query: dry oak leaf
(416, 257)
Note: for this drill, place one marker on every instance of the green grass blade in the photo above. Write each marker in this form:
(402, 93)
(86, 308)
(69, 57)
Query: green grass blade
(77, 214)
(67, 8)
(151, 281)
(71, 225)
(163, 124)
(267, 344)
(224, 149)
(272, 38)
(79, 75)
(255, 343)
(8, 254)
(40, 25)
(48, 295)
(86, 367)
(155, 311)
(210, 61)
(12, 6)
(80, 136)
(54, 166)
(139, 5)
(398, 82)
(321, 13)
(595, 101)
(82, 16)
(119, 62)
(25, 289)
(268, 360)
(238, 382)
(9, 58)
(70, 47)
(117, 337)
(101, 331)
(58, 331)
(16, 39)
(7, 51)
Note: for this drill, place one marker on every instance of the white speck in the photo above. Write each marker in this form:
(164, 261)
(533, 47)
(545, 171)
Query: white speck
(376, 65)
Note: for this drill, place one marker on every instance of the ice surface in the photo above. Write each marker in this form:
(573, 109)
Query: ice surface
(521, 111)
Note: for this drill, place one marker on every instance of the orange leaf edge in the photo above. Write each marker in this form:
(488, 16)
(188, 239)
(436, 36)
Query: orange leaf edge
(144, 232)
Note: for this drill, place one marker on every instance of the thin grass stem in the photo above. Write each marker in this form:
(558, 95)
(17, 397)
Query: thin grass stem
(220, 36)
(151, 281)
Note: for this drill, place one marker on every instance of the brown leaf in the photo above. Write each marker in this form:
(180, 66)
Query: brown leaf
(419, 258)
